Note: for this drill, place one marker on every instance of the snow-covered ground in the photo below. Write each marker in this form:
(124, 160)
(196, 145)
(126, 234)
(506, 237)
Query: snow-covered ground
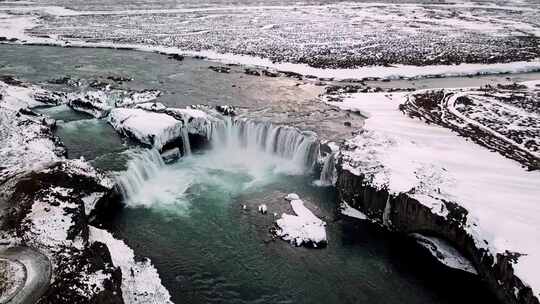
(52, 218)
(155, 125)
(152, 129)
(140, 279)
(26, 141)
(304, 228)
(53, 225)
(320, 33)
(432, 164)
(356, 40)
(99, 103)
(505, 118)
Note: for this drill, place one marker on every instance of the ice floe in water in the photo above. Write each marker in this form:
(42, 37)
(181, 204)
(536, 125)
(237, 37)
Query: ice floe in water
(304, 228)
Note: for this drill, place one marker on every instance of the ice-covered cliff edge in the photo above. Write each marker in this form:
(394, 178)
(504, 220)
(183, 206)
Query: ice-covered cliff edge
(409, 175)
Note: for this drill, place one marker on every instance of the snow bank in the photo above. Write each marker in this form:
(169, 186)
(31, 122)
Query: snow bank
(304, 228)
(47, 220)
(197, 121)
(18, 95)
(95, 103)
(152, 106)
(15, 26)
(140, 279)
(133, 98)
(384, 72)
(400, 154)
(99, 103)
(292, 197)
(445, 253)
(25, 144)
(26, 141)
(150, 128)
(82, 168)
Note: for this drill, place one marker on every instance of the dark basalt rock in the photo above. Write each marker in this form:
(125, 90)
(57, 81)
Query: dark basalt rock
(220, 69)
(71, 264)
(292, 75)
(107, 207)
(119, 79)
(95, 257)
(407, 215)
(252, 72)
(96, 84)
(50, 97)
(176, 57)
(10, 80)
(226, 110)
(338, 89)
(61, 80)
(30, 188)
(269, 73)
(29, 112)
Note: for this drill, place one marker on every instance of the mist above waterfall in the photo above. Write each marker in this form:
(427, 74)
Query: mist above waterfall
(244, 155)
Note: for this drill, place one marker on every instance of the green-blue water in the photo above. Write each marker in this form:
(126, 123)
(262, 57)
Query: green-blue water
(188, 217)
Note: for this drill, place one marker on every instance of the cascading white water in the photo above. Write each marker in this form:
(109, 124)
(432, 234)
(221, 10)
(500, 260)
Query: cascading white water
(141, 168)
(263, 137)
(259, 151)
(185, 142)
(328, 172)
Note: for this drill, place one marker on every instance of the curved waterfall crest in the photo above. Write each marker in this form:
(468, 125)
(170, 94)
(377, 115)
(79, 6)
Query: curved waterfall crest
(144, 165)
(286, 142)
(298, 149)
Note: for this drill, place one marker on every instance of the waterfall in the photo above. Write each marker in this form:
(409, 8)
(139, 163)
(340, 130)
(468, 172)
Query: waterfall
(328, 172)
(386, 213)
(141, 168)
(247, 138)
(185, 142)
(286, 142)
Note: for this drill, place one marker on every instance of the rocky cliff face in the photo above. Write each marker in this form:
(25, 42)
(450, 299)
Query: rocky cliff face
(45, 201)
(46, 210)
(404, 214)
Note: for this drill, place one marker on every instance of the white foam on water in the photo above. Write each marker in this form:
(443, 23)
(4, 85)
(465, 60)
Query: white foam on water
(244, 155)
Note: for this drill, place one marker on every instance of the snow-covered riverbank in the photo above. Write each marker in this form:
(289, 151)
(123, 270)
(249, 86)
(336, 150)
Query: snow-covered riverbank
(46, 200)
(436, 167)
